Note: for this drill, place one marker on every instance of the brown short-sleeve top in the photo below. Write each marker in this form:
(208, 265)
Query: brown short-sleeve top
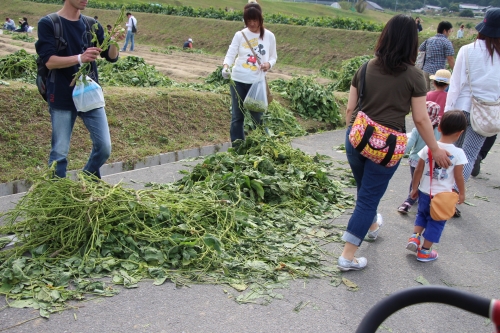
(387, 98)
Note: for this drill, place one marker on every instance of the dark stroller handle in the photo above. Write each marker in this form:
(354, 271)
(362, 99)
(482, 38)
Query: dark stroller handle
(429, 294)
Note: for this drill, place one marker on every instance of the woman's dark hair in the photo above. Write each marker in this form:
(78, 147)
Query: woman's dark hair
(453, 122)
(253, 11)
(397, 46)
(492, 44)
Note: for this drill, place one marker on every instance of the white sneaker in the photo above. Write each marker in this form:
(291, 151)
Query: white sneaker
(372, 235)
(350, 265)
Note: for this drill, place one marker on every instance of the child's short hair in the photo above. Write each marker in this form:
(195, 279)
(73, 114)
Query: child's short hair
(453, 122)
(440, 84)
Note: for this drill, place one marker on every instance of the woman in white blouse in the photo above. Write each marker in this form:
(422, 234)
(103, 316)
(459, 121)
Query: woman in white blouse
(484, 73)
(246, 69)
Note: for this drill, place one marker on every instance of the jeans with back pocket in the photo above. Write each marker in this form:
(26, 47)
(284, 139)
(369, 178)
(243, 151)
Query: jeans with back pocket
(372, 180)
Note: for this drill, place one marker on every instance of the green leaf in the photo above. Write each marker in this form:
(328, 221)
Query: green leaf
(257, 186)
(159, 281)
(24, 303)
(44, 313)
(5, 288)
(422, 280)
(351, 286)
(213, 243)
(239, 287)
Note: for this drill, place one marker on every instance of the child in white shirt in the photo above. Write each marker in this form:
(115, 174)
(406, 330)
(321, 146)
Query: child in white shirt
(451, 126)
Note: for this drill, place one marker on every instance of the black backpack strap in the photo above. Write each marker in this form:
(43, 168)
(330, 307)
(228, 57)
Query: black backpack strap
(61, 43)
(58, 31)
(361, 89)
(89, 21)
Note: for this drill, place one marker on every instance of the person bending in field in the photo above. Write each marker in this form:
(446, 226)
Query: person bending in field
(63, 65)
(188, 44)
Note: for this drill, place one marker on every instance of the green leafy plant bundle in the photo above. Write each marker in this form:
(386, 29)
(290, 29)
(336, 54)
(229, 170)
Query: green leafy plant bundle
(251, 218)
(220, 14)
(19, 65)
(309, 98)
(131, 71)
(348, 68)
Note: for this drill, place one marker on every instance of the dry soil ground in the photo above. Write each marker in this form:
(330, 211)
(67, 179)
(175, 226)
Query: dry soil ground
(179, 66)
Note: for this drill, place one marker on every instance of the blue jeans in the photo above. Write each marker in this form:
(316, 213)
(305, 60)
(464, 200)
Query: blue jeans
(432, 228)
(130, 37)
(371, 180)
(238, 93)
(409, 199)
(96, 123)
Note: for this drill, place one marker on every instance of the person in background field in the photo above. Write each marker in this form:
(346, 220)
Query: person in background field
(451, 127)
(96, 18)
(246, 69)
(414, 146)
(460, 32)
(438, 50)
(394, 65)
(188, 44)
(132, 21)
(63, 65)
(418, 22)
(109, 28)
(24, 25)
(9, 24)
(440, 81)
(484, 74)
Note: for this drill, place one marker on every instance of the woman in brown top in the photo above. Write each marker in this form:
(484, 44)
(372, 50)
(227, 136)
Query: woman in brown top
(393, 85)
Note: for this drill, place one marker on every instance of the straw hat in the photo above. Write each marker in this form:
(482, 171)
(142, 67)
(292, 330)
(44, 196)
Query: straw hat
(442, 75)
(490, 26)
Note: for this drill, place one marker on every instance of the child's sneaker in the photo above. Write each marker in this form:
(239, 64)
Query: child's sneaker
(426, 255)
(372, 235)
(413, 243)
(404, 208)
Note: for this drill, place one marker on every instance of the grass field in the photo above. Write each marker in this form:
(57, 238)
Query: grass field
(297, 45)
(25, 134)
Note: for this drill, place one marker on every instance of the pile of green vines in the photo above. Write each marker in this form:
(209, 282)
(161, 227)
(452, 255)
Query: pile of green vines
(253, 218)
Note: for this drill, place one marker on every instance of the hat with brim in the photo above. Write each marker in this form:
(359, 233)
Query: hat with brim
(442, 75)
(190, 40)
(490, 26)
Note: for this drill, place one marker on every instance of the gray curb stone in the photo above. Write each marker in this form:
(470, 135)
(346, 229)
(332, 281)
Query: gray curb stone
(19, 186)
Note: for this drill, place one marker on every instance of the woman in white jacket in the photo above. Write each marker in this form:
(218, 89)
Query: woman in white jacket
(484, 73)
(246, 69)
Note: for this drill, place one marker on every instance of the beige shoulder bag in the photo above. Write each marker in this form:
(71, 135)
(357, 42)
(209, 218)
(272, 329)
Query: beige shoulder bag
(484, 115)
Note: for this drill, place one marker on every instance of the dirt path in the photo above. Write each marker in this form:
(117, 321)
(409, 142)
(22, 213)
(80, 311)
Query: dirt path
(179, 66)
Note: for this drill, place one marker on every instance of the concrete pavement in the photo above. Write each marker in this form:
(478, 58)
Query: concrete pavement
(469, 259)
